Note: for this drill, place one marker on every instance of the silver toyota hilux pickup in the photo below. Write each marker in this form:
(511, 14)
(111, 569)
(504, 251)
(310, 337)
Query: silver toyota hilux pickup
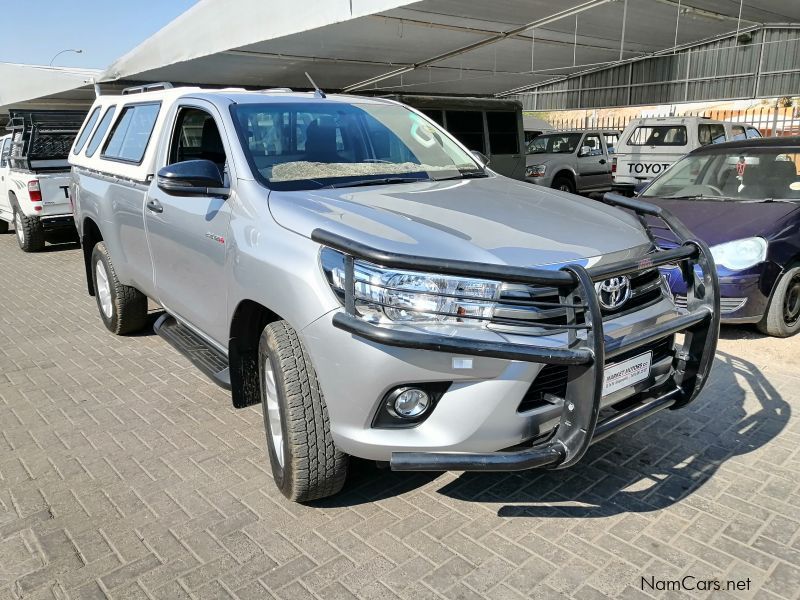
(348, 264)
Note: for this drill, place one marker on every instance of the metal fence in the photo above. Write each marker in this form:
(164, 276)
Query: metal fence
(770, 121)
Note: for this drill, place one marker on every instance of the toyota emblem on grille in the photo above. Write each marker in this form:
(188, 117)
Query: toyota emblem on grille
(614, 292)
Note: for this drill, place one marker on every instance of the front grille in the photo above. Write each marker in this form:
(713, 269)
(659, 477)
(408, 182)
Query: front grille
(521, 308)
(550, 384)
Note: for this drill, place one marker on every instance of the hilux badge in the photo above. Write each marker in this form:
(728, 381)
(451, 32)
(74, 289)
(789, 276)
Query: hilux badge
(613, 293)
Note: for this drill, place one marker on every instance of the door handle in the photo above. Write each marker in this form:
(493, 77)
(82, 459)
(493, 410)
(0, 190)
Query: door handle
(602, 161)
(154, 206)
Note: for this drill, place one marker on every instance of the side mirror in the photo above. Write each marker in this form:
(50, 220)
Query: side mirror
(192, 178)
(585, 151)
(482, 159)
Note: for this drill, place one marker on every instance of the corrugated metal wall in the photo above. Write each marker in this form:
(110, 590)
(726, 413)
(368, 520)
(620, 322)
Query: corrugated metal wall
(767, 65)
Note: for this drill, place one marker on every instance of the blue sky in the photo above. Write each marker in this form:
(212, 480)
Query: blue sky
(103, 29)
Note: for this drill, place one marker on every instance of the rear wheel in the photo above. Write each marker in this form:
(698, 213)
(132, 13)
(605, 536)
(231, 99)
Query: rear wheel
(564, 184)
(305, 462)
(123, 308)
(30, 234)
(782, 318)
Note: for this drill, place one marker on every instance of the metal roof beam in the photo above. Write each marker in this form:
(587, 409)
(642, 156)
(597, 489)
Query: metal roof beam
(480, 44)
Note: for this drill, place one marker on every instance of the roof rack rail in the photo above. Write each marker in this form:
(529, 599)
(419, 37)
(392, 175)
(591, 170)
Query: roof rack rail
(278, 89)
(148, 87)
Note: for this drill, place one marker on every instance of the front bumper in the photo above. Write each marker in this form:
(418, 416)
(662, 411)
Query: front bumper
(585, 353)
(545, 180)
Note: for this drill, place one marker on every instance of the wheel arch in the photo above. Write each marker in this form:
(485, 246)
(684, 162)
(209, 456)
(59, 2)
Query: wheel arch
(248, 321)
(566, 173)
(90, 236)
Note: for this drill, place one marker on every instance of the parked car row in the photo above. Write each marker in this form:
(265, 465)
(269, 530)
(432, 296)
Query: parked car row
(362, 273)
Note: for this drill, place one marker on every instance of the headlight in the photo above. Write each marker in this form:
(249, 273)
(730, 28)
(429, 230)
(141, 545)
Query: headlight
(389, 295)
(740, 254)
(535, 171)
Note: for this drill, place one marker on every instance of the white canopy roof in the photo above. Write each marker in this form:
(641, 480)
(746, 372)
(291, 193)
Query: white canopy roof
(34, 86)
(424, 46)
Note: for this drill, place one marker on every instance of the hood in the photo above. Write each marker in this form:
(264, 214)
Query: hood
(718, 222)
(544, 158)
(491, 220)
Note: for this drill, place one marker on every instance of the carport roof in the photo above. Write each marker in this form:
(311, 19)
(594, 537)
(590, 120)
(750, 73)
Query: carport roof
(427, 46)
(40, 87)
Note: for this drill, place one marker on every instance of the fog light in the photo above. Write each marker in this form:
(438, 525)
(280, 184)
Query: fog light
(410, 403)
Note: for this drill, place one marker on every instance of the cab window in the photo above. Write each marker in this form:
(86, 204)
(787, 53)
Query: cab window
(131, 133)
(87, 129)
(710, 133)
(658, 135)
(503, 132)
(752, 132)
(738, 132)
(467, 126)
(196, 137)
(98, 134)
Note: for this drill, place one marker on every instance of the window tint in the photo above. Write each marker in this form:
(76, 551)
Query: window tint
(612, 139)
(100, 132)
(5, 152)
(503, 132)
(196, 136)
(752, 132)
(131, 133)
(591, 146)
(658, 135)
(87, 129)
(710, 133)
(467, 126)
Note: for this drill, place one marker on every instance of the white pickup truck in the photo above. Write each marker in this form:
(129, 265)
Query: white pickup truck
(34, 174)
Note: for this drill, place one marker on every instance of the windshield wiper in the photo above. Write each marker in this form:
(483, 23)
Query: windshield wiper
(378, 181)
(467, 175)
(701, 197)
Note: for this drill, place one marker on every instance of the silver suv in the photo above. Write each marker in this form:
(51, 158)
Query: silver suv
(348, 264)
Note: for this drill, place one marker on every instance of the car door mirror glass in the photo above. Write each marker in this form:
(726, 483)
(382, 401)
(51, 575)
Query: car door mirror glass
(192, 178)
(585, 151)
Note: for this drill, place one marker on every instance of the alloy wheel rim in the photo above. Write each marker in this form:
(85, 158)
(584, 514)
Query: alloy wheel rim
(791, 305)
(18, 227)
(103, 289)
(273, 411)
(564, 187)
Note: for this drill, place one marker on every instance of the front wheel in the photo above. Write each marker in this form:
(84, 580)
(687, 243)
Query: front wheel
(305, 462)
(123, 308)
(782, 318)
(564, 184)
(30, 233)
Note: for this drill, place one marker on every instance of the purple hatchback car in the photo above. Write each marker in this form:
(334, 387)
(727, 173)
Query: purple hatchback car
(742, 199)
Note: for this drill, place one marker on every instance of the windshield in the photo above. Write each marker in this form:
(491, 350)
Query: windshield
(309, 145)
(750, 174)
(556, 143)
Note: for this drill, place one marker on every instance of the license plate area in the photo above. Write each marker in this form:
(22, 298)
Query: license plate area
(617, 376)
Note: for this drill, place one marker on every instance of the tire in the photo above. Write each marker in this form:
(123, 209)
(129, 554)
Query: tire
(30, 234)
(3, 227)
(782, 318)
(564, 184)
(122, 308)
(305, 462)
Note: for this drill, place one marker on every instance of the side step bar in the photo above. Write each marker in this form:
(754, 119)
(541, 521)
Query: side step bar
(202, 355)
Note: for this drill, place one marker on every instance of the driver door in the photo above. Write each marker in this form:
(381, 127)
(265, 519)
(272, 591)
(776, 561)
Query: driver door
(188, 235)
(593, 168)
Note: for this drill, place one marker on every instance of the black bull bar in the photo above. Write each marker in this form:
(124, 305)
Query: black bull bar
(579, 425)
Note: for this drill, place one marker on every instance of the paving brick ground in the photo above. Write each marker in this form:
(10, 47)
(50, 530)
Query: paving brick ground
(124, 473)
